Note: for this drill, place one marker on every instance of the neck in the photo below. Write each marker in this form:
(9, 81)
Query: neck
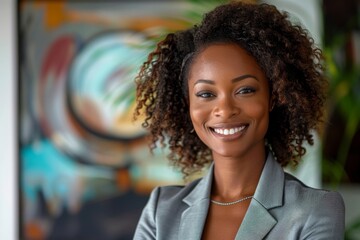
(235, 178)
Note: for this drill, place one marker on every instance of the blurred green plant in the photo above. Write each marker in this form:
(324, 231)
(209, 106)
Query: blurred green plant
(353, 230)
(344, 97)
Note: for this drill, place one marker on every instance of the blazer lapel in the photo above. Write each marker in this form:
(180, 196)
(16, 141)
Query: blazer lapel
(194, 217)
(258, 221)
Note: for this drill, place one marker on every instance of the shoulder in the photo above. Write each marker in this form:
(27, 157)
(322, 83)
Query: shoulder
(298, 191)
(172, 193)
(322, 212)
(163, 207)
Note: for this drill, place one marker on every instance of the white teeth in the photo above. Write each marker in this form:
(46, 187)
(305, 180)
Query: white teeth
(230, 131)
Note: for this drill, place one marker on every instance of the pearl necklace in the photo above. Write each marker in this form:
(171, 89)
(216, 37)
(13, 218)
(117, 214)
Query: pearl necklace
(231, 203)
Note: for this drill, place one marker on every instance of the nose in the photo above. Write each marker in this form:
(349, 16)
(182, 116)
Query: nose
(226, 107)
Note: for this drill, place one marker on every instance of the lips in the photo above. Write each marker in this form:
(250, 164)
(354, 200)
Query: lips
(229, 130)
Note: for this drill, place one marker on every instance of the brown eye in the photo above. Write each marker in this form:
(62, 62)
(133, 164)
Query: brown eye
(205, 94)
(245, 90)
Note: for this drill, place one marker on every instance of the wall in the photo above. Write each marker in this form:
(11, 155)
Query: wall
(8, 198)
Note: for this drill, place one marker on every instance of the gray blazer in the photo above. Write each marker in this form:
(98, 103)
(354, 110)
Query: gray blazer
(282, 208)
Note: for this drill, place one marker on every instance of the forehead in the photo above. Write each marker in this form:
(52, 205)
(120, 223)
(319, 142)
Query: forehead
(223, 58)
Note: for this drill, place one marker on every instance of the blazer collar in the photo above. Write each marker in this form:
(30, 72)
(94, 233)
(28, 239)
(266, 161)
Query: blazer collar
(193, 218)
(269, 191)
(202, 190)
(257, 221)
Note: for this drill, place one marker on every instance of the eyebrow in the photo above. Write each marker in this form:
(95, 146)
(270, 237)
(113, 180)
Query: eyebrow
(237, 79)
(244, 77)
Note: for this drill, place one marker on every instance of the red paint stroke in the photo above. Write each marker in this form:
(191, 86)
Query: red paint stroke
(54, 68)
(57, 57)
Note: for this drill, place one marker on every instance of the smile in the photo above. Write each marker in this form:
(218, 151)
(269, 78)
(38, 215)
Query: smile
(228, 131)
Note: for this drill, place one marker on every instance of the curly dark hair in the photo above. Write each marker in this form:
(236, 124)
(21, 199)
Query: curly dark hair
(286, 54)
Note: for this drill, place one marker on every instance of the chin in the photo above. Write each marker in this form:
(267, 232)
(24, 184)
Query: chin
(229, 154)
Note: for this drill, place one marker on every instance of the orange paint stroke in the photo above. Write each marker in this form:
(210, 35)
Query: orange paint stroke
(56, 14)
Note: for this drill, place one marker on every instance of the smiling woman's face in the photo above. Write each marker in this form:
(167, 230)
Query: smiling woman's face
(229, 100)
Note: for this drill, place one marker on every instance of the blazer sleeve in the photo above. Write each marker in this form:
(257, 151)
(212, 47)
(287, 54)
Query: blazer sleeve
(146, 228)
(327, 219)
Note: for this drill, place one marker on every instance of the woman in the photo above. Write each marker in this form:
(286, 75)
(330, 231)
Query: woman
(241, 92)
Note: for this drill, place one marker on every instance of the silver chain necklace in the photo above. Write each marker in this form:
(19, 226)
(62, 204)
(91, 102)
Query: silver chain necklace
(231, 203)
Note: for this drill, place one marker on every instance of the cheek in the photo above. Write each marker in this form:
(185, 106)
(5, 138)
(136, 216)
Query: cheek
(198, 110)
(199, 117)
(198, 114)
(259, 110)
(260, 113)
